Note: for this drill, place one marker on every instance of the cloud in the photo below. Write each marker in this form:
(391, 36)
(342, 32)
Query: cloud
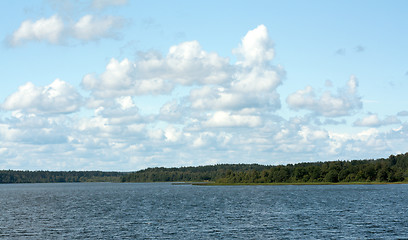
(256, 48)
(214, 111)
(172, 134)
(185, 63)
(330, 121)
(121, 79)
(171, 112)
(121, 111)
(343, 51)
(44, 29)
(54, 30)
(372, 120)
(254, 82)
(226, 119)
(207, 98)
(91, 28)
(57, 98)
(358, 143)
(251, 82)
(34, 129)
(99, 4)
(344, 103)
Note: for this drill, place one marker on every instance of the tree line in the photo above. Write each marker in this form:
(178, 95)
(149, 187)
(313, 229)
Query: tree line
(13, 176)
(391, 169)
(189, 174)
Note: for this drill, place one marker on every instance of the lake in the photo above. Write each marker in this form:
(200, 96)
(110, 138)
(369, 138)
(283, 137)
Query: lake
(165, 211)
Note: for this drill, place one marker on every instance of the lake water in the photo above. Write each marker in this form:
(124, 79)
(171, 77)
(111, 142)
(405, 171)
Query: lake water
(165, 211)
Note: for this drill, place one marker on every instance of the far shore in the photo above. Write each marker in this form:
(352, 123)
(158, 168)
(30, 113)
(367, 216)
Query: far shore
(298, 183)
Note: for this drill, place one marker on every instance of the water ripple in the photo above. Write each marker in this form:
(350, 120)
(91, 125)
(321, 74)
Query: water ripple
(165, 211)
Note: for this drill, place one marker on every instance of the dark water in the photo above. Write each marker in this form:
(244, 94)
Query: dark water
(165, 211)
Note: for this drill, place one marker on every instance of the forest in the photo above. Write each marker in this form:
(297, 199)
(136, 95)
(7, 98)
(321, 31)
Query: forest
(12, 176)
(391, 169)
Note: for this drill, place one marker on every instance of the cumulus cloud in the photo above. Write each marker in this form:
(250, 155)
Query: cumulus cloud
(220, 111)
(208, 98)
(249, 83)
(186, 64)
(344, 103)
(58, 97)
(254, 82)
(121, 79)
(357, 144)
(33, 129)
(92, 28)
(121, 111)
(44, 29)
(227, 119)
(373, 120)
(54, 30)
(256, 48)
(330, 121)
(172, 134)
(171, 112)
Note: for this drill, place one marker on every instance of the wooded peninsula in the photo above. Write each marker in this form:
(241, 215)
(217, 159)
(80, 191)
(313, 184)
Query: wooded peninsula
(385, 170)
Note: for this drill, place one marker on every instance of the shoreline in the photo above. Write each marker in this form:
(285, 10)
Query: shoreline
(283, 184)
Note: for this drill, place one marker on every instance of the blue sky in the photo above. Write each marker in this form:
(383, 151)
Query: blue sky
(124, 85)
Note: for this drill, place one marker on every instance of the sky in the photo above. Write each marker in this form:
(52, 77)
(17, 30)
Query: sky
(121, 85)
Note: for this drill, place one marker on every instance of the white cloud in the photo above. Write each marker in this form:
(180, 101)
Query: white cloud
(54, 30)
(254, 82)
(226, 119)
(372, 120)
(205, 139)
(309, 134)
(121, 79)
(186, 64)
(122, 111)
(35, 129)
(92, 28)
(58, 97)
(218, 112)
(256, 48)
(225, 86)
(171, 112)
(44, 29)
(344, 103)
(257, 79)
(206, 98)
(172, 134)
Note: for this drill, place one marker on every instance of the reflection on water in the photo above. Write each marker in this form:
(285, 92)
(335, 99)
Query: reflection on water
(165, 211)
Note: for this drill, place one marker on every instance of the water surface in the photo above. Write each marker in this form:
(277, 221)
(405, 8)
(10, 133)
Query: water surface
(165, 211)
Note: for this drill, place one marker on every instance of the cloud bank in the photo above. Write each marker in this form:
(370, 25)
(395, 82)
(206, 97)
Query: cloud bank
(227, 112)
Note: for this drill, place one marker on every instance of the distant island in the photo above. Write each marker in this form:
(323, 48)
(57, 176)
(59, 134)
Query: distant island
(385, 170)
